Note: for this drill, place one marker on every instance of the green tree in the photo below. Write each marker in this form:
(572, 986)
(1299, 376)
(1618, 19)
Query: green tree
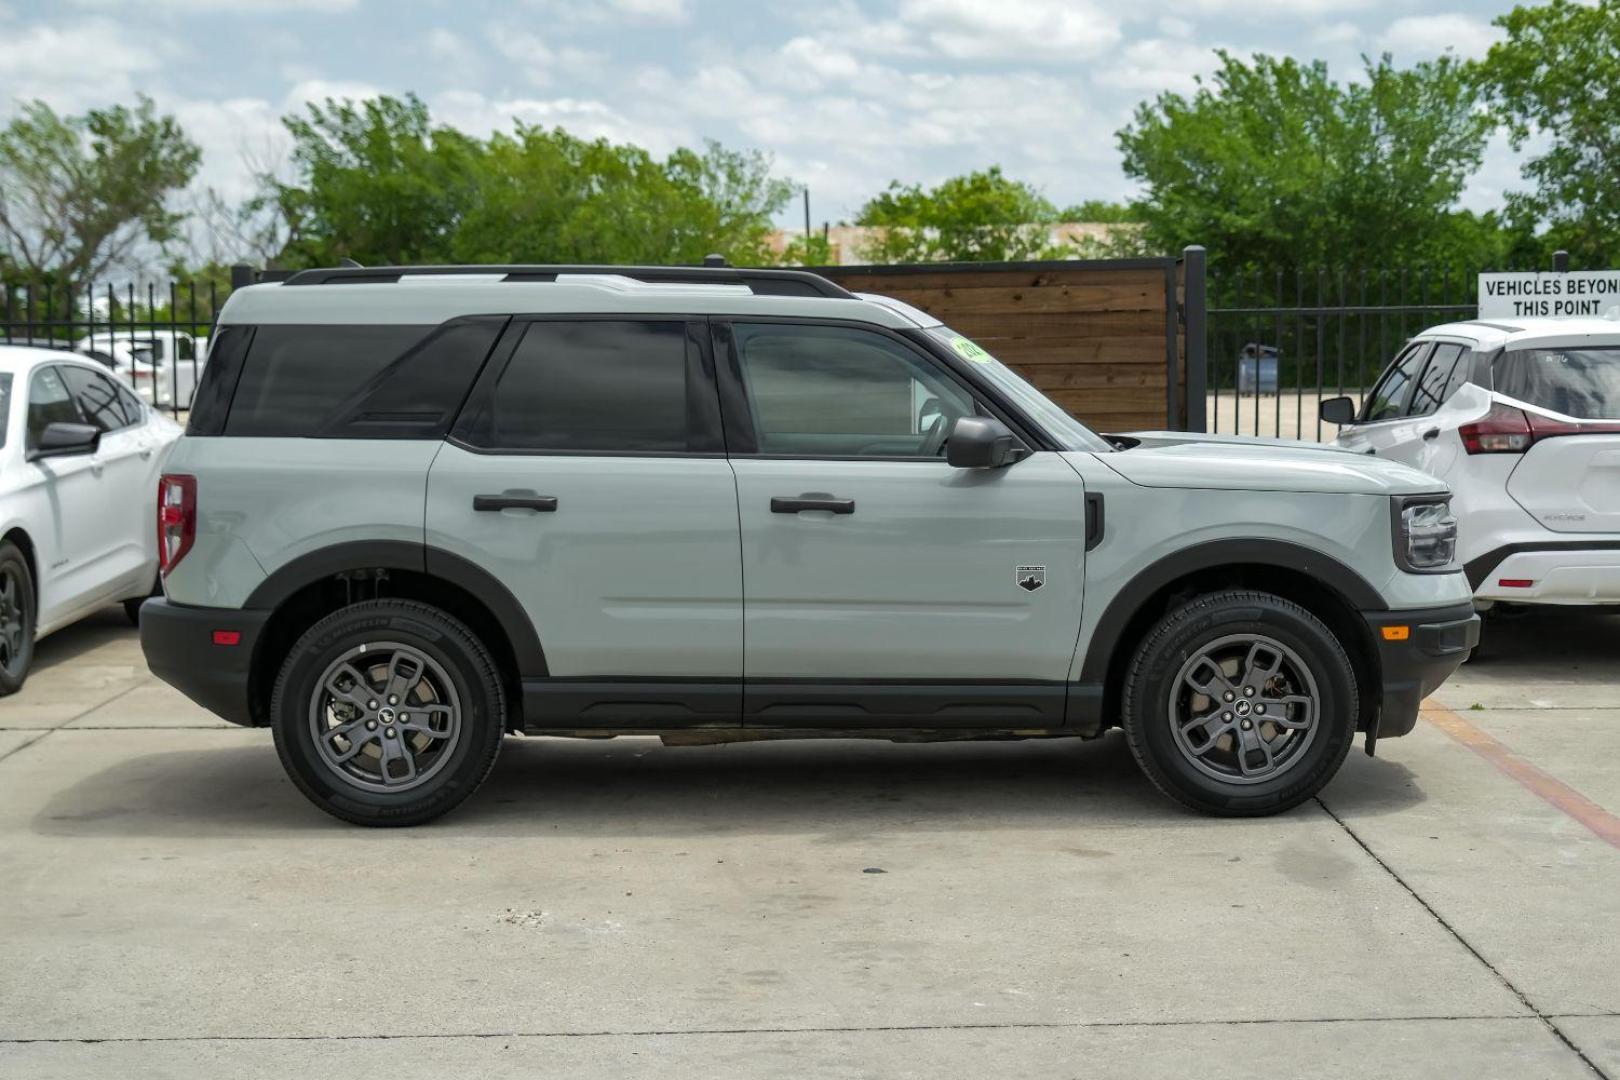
(980, 217)
(1271, 164)
(80, 195)
(379, 182)
(1556, 77)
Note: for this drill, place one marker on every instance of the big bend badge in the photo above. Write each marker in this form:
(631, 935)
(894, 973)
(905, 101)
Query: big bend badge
(1029, 578)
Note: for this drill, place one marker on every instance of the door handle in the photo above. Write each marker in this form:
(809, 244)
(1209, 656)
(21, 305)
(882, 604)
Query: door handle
(97, 465)
(545, 504)
(814, 500)
(1432, 434)
(146, 453)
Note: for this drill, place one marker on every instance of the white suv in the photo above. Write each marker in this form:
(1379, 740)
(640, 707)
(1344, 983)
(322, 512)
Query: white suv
(1522, 420)
(418, 508)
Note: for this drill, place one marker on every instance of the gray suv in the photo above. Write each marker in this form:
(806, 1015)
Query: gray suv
(418, 509)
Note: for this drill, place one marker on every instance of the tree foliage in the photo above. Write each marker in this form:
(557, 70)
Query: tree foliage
(979, 217)
(377, 181)
(1272, 164)
(1557, 76)
(80, 194)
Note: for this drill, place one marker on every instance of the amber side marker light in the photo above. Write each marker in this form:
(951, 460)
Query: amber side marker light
(1397, 633)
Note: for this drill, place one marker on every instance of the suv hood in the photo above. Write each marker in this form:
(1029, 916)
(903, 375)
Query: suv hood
(1181, 459)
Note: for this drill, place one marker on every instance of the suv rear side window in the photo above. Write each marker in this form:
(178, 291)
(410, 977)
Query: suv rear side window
(1388, 399)
(1583, 383)
(355, 381)
(597, 386)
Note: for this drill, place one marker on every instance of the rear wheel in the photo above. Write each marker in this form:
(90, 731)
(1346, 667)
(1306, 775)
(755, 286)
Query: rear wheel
(1240, 703)
(388, 712)
(17, 618)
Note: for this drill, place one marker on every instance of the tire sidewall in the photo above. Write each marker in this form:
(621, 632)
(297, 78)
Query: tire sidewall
(1316, 647)
(438, 637)
(11, 556)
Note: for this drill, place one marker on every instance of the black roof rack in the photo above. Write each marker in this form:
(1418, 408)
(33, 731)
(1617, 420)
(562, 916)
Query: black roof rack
(762, 282)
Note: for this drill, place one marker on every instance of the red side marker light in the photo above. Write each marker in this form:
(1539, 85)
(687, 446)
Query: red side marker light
(227, 637)
(1515, 582)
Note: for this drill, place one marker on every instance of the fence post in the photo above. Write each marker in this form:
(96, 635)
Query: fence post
(241, 276)
(1195, 267)
(1560, 262)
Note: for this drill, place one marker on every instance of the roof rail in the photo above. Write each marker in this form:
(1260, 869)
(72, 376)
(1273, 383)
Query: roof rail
(762, 282)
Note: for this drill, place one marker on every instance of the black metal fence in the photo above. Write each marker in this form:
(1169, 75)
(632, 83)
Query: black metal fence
(153, 336)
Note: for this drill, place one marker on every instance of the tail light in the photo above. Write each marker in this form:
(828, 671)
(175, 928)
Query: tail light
(1506, 430)
(1503, 430)
(176, 518)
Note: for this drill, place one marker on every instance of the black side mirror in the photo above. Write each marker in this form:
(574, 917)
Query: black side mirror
(979, 442)
(1337, 410)
(62, 439)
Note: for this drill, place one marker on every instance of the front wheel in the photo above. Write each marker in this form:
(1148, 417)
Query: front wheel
(17, 618)
(1240, 703)
(388, 712)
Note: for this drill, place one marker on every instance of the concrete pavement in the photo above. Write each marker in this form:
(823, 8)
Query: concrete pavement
(172, 907)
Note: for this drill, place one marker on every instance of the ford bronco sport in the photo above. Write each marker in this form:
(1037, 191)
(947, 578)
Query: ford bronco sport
(417, 509)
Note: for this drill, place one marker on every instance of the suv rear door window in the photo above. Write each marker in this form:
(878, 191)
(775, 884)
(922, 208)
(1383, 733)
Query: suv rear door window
(596, 386)
(1583, 383)
(1388, 399)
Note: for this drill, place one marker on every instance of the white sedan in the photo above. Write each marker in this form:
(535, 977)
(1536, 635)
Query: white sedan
(80, 456)
(1521, 418)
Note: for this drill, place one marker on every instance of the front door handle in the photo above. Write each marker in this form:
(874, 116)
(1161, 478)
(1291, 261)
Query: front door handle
(814, 500)
(545, 504)
(1432, 434)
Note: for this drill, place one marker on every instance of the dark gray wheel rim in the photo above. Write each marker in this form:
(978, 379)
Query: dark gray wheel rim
(14, 628)
(385, 717)
(1244, 709)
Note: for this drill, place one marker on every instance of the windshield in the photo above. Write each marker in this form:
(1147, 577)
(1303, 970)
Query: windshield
(1069, 433)
(1583, 383)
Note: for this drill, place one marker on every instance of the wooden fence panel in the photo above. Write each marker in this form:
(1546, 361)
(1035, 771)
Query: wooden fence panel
(1092, 335)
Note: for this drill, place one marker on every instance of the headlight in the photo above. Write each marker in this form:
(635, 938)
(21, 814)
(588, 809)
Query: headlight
(1425, 534)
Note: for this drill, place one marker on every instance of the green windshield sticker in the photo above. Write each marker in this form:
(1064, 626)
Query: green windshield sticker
(969, 351)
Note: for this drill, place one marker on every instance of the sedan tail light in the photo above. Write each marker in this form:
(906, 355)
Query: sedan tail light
(176, 518)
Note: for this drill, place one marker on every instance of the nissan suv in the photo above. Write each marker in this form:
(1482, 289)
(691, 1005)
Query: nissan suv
(418, 509)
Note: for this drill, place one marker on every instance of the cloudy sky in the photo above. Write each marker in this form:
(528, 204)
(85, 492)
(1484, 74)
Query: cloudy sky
(845, 94)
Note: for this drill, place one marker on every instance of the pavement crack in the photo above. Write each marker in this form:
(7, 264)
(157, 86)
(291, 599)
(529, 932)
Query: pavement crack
(1524, 999)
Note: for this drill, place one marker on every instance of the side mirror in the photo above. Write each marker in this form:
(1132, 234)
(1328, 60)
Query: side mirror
(62, 439)
(1337, 410)
(979, 442)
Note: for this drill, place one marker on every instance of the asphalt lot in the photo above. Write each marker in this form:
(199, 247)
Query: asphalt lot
(170, 906)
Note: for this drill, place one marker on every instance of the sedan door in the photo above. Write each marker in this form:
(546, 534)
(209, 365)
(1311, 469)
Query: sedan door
(882, 586)
(128, 485)
(75, 569)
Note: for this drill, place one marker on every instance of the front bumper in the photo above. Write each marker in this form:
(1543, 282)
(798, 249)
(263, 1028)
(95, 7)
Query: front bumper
(1414, 661)
(182, 649)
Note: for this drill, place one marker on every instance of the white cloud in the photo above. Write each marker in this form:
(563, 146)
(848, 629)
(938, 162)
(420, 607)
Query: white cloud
(1158, 64)
(1418, 36)
(620, 12)
(1013, 29)
(669, 11)
(317, 91)
(229, 7)
(52, 62)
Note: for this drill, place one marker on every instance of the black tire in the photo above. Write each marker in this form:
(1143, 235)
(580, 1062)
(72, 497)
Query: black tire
(132, 608)
(18, 618)
(1182, 635)
(417, 628)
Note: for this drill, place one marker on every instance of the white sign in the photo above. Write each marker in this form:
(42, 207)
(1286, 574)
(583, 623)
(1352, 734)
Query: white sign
(1577, 292)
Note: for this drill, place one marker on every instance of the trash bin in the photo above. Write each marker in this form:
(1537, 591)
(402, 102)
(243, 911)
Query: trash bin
(1257, 369)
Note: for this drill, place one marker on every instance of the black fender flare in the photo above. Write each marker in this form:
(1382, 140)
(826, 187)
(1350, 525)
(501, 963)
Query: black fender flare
(327, 562)
(1330, 572)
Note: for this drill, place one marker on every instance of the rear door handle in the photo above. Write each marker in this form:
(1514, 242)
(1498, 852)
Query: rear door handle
(545, 504)
(812, 501)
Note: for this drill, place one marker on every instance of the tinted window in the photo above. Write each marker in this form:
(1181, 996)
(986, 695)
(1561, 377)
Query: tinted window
(1583, 383)
(99, 399)
(838, 392)
(1432, 387)
(49, 402)
(1388, 399)
(346, 381)
(594, 385)
(212, 400)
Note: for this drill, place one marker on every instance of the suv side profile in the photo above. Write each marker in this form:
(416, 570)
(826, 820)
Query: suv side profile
(418, 509)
